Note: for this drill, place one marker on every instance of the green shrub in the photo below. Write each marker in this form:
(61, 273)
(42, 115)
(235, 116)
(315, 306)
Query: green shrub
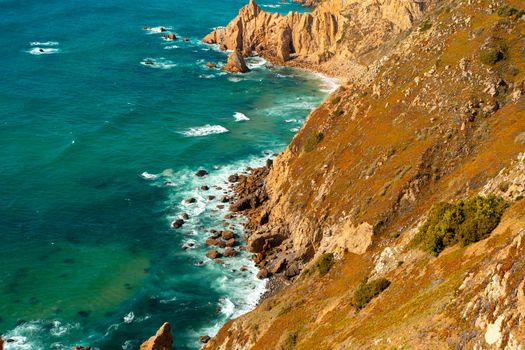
(508, 11)
(491, 56)
(368, 290)
(335, 100)
(425, 25)
(290, 342)
(312, 140)
(464, 222)
(324, 263)
(284, 311)
(339, 112)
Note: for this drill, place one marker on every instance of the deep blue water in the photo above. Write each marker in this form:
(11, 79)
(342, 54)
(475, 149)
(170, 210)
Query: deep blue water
(88, 255)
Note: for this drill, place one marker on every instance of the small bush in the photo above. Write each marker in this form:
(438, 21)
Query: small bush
(339, 112)
(464, 222)
(491, 56)
(425, 25)
(313, 140)
(284, 311)
(368, 290)
(324, 263)
(509, 11)
(504, 186)
(290, 342)
(335, 100)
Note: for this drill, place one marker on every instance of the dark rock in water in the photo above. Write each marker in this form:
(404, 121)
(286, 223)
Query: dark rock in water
(79, 347)
(227, 234)
(185, 40)
(150, 63)
(233, 178)
(219, 261)
(236, 63)
(211, 241)
(146, 28)
(201, 173)
(162, 340)
(269, 163)
(225, 199)
(9, 340)
(211, 65)
(210, 198)
(190, 200)
(177, 223)
(185, 216)
(204, 339)
(229, 252)
(213, 254)
(229, 216)
(162, 29)
(205, 188)
(230, 242)
(170, 36)
(199, 263)
(220, 206)
(83, 313)
(243, 268)
(263, 273)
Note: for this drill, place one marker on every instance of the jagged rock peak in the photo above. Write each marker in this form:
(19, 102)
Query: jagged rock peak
(162, 340)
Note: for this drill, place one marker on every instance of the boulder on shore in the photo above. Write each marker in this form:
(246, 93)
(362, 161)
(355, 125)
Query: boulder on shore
(229, 252)
(213, 254)
(236, 63)
(162, 340)
(204, 338)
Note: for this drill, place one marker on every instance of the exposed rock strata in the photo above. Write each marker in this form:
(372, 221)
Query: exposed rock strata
(339, 37)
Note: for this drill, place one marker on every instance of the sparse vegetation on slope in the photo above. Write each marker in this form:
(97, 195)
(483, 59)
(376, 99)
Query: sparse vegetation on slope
(464, 222)
(313, 140)
(368, 290)
(324, 263)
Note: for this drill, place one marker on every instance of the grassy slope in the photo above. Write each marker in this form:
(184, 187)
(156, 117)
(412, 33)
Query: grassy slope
(393, 158)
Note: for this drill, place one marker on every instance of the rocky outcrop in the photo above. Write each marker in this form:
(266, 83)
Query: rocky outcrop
(330, 39)
(162, 340)
(236, 63)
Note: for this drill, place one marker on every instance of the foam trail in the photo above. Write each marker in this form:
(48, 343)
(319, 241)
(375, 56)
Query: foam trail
(44, 43)
(205, 130)
(43, 51)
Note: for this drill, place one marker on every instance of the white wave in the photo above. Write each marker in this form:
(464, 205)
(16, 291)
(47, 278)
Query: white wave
(291, 121)
(205, 130)
(149, 176)
(328, 84)
(168, 301)
(239, 117)
(44, 43)
(254, 62)
(59, 329)
(129, 317)
(153, 30)
(170, 47)
(234, 79)
(272, 6)
(159, 63)
(189, 244)
(207, 76)
(226, 306)
(294, 129)
(43, 51)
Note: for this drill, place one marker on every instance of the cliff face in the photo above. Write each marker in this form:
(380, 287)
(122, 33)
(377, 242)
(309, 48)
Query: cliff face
(338, 37)
(434, 120)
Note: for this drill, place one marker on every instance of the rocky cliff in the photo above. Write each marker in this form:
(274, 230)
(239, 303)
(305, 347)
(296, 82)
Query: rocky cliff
(338, 37)
(439, 116)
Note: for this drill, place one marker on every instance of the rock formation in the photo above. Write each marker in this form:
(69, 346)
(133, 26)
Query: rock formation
(236, 63)
(162, 340)
(338, 36)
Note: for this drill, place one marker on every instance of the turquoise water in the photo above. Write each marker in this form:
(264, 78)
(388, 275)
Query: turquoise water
(98, 152)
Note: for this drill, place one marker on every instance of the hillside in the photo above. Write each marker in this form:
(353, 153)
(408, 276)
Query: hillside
(434, 113)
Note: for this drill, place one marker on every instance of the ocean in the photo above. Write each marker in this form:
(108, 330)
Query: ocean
(98, 149)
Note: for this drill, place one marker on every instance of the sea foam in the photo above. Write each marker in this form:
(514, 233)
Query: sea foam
(239, 117)
(205, 130)
(43, 51)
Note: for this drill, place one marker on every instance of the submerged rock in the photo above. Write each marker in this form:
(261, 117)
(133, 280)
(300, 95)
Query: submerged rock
(204, 338)
(211, 65)
(201, 173)
(177, 223)
(76, 347)
(236, 63)
(162, 340)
